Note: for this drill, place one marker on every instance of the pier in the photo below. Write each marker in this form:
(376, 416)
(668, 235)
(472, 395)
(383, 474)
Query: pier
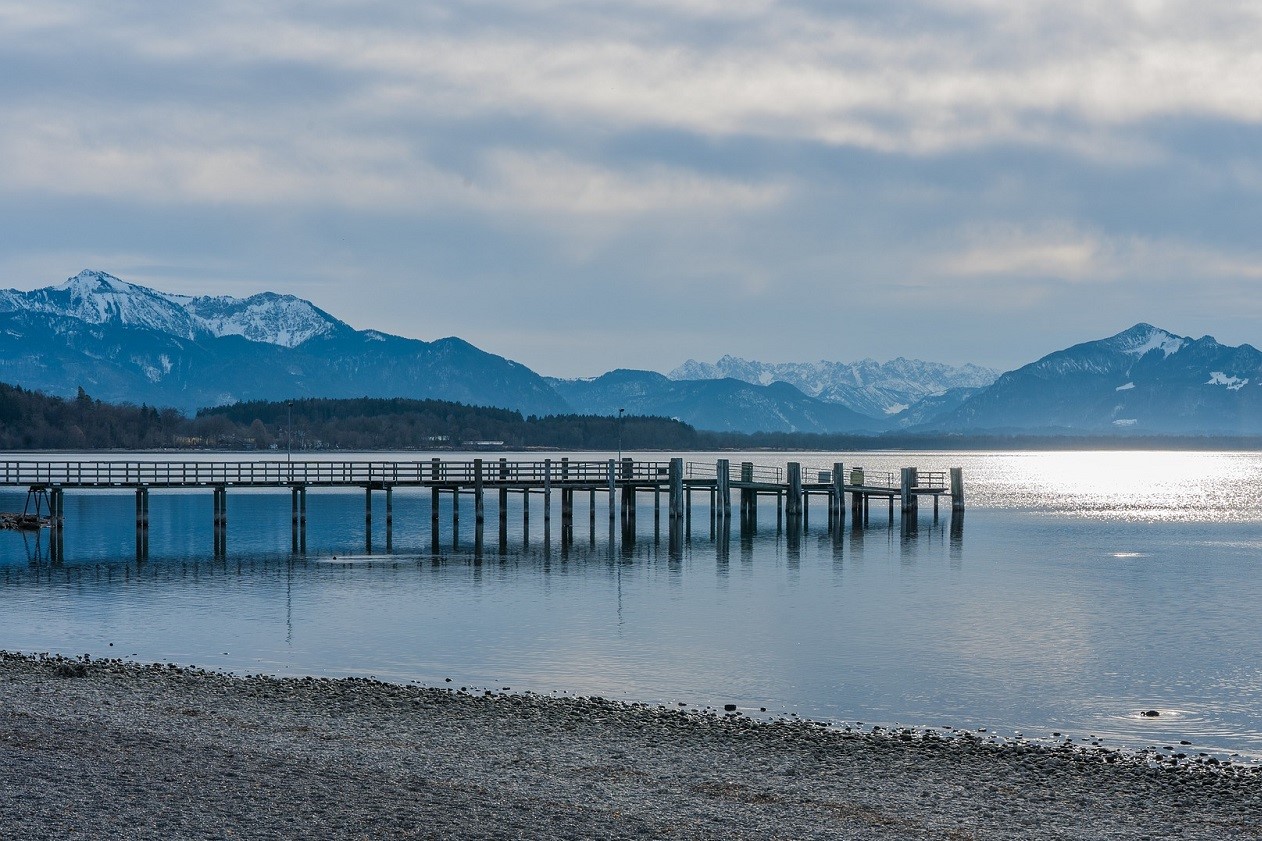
(620, 484)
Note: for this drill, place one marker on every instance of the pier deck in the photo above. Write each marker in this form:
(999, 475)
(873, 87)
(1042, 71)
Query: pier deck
(792, 487)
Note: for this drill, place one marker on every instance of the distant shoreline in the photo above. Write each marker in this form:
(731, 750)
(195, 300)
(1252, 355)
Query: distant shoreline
(959, 444)
(105, 748)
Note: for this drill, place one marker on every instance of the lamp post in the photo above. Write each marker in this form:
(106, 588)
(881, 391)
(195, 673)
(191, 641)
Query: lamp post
(289, 433)
(620, 412)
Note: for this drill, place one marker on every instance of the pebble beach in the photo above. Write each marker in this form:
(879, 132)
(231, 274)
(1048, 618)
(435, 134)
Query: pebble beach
(93, 749)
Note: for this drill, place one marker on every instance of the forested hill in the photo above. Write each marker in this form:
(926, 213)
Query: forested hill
(32, 420)
(374, 423)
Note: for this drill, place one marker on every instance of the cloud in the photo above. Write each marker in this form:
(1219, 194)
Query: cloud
(793, 159)
(1067, 252)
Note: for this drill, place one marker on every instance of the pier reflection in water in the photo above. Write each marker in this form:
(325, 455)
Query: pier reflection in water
(1035, 617)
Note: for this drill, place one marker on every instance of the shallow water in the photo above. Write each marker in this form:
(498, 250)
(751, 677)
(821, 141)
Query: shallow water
(1078, 590)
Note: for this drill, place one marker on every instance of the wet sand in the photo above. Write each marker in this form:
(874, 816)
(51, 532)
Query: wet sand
(108, 749)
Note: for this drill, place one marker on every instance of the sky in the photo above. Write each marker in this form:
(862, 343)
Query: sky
(582, 185)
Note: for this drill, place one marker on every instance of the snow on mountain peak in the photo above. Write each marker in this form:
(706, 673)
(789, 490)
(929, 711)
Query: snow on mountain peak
(89, 281)
(1143, 338)
(101, 298)
(867, 386)
(266, 317)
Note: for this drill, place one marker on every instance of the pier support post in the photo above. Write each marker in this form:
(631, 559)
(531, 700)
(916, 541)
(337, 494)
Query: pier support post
(747, 472)
(625, 472)
(676, 476)
(368, 519)
(302, 519)
(56, 523)
(293, 519)
(479, 508)
(793, 505)
(723, 487)
(613, 488)
(957, 489)
(547, 493)
(142, 523)
(503, 494)
(433, 510)
(221, 520)
(838, 498)
(910, 481)
(389, 519)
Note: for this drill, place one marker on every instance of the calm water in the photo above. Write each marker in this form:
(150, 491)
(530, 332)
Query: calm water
(1078, 590)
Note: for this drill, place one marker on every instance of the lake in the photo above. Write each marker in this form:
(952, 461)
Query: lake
(1078, 590)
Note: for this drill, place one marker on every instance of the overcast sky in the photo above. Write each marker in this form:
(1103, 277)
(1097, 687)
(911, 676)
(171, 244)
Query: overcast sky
(582, 185)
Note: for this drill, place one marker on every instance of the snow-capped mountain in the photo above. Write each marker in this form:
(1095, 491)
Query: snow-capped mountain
(721, 404)
(266, 317)
(123, 342)
(99, 298)
(1143, 380)
(878, 389)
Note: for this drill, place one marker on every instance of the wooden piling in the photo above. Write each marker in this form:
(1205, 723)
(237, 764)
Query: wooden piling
(613, 485)
(503, 509)
(479, 502)
(838, 497)
(957, 489)
(389, 518)
(793, 503)
(293, 517)
(676, 476)
(547, 492)
(723, 487)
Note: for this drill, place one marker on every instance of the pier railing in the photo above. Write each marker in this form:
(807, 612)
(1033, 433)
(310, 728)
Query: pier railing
(276, 473)
(101, 474)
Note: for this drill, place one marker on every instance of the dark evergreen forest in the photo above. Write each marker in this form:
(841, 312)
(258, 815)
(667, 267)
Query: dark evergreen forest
(32, 420)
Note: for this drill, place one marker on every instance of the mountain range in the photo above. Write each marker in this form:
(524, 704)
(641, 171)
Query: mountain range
(876, 389)
(122, 342)
(1142, 380)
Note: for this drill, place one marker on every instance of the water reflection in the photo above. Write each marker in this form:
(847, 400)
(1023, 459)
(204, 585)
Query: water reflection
(1040, 621)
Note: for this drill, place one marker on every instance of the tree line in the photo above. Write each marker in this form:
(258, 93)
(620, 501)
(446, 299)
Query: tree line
(31, 420)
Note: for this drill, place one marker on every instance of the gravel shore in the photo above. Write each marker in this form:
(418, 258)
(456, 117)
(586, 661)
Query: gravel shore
(110, 749)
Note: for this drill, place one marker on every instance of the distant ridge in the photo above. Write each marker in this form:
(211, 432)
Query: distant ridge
(124, 342)
(724, 405)
(877, 389)
(1144, 380)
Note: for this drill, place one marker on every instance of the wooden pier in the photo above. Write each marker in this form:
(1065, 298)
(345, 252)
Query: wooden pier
(621, 483)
